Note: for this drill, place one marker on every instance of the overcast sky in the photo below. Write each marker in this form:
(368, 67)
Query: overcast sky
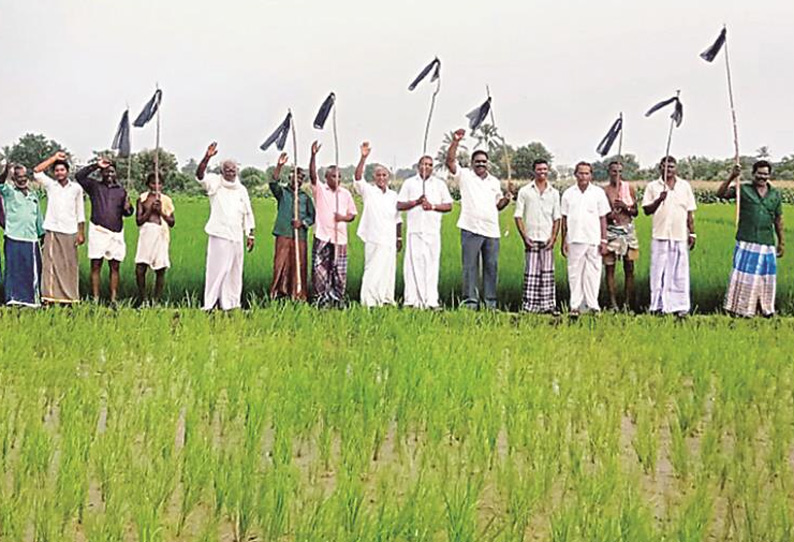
(559, 72)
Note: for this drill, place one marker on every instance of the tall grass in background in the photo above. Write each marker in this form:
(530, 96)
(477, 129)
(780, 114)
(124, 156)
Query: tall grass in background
(710, 262)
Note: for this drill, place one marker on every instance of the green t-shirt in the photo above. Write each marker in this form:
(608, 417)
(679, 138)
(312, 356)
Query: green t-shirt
(757, 215)
(285, 198)
(23, 216)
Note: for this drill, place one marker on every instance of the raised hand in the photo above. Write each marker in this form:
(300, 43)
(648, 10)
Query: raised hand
(282, 159)
(365, 149)
(60, 155)
(315, 148)
(212, 150)
(458, 135)
(103, 163)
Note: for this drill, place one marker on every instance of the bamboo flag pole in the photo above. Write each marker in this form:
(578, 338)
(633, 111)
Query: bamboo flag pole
(620, 141)
(669, 143)
(157, 154)
(737, 159)
(505, 151)
(430, 114)
(296, 209)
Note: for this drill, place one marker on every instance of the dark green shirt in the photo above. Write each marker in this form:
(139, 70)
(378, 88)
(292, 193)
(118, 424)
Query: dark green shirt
(757, 215)
(283, 225)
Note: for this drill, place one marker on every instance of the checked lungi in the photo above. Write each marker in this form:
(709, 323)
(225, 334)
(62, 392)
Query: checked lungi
(329, 272)
(753, 280)
(539, 291)
(22, 273)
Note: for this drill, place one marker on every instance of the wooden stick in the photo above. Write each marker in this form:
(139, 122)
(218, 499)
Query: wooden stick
(737, 159)
(430, 115)
(296, 210)
(505, 153)
(620, 140)
(669, 142)
(157, 156)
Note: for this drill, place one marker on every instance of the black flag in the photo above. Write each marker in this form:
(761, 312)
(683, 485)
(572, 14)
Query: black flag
(478, 115)
(678, 113)
(436, 63)
(279, 137)
(149, 109)
(711, 53)
(609, 139)
(325, 110)
(121, 141)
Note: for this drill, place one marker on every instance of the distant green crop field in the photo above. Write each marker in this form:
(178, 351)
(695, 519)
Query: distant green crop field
(710, 262)
(288, 423)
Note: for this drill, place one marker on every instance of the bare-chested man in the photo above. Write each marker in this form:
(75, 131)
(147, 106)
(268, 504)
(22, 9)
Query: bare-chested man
(621, 238)
(155, 218)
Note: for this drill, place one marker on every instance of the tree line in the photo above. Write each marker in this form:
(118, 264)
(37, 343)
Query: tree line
(31, 149)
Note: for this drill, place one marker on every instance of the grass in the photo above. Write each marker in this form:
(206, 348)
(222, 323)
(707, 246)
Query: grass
(710, 262)
(289, 423)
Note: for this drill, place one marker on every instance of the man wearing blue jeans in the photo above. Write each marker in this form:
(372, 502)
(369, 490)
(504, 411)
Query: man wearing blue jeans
(481, 199)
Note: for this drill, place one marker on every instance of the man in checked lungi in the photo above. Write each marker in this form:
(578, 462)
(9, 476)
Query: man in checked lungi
(538, 221)
(759, 242)
(23, 231)
(334, 209)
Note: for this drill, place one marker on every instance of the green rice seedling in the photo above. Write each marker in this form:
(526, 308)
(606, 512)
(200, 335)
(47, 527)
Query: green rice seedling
(679, 453)
(196, 468)
(695, 517)
(460, 504)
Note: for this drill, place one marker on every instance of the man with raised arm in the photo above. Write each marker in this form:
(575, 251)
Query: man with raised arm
(381, 230)
(230, 229)
(481, 199)
(538, 218)
(622, 243)
(109, 206)
(759, 242)
(285, 272)
(425, 198)
(335, 208)
(584, 208)
(672, 203)
(64, 227)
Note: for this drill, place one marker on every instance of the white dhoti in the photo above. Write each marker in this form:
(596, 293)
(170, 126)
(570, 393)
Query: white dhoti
(223, 285)
(420, 270)
(380, 269)
(153, 243)
(584, 276)
(669, 276)
(105, 244)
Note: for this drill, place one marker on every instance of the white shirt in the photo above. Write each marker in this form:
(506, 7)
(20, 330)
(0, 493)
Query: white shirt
(670, 218)
(231, 215)
(436, 192)
(65, 205)
(478, 198)
(538, 211)
(380, 217)
(583, 212)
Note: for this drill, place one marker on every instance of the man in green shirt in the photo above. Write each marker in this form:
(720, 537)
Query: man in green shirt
(759, 242)
(288, 280)
(24, 227)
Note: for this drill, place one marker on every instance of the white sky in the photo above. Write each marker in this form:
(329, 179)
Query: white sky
(559, 72)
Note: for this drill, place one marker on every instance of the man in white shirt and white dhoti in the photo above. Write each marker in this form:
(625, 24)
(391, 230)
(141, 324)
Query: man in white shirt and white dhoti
(230, 224)
(381, 230)
(481, 199)
(672, 203)
(584, 208)
(425, 198)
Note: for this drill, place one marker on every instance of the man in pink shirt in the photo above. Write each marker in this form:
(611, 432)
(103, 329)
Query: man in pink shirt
(334, 209)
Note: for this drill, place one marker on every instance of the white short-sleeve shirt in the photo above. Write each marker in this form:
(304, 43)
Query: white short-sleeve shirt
(670, 219)
(436, 192)
(65, 205)
(380, 216)
(538, 211)
(583, 212)
(478, 199)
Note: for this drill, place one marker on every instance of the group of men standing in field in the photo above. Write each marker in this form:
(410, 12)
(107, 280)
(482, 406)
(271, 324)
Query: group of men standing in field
(595, 227)
(41, 262)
